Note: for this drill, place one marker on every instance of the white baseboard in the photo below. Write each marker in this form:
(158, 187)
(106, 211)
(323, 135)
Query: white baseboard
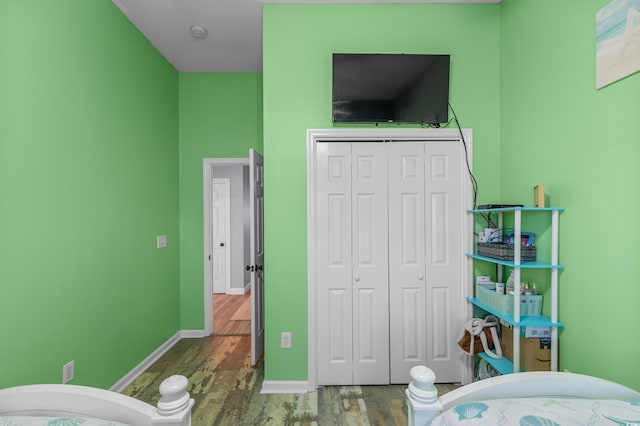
(283, 386)
(192, 334)
(240, 291)
(121, 384)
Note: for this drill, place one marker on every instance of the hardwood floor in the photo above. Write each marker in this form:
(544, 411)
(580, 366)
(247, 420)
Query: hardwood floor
(226, 389)
(224, 306)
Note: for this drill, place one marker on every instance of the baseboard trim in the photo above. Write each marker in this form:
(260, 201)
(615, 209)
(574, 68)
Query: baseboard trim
(121, 384)
(283, 386)
(192, 334)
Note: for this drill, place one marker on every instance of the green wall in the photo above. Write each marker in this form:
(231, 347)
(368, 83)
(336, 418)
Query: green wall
(91, 169)
(88, 178)
(298, 43)
(582, 144)
(220, 116)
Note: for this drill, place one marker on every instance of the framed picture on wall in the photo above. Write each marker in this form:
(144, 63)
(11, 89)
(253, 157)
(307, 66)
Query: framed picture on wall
(617, 41)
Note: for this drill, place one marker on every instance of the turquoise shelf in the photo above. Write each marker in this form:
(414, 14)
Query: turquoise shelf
(525, 320)
(503, 365)
(523, 265)
(522, 209)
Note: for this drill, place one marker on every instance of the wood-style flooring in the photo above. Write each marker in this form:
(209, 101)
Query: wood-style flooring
(224, 306)
(226, 389)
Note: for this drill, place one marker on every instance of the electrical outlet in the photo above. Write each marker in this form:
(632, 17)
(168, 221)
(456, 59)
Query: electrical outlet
(285, 340)
(68, 372)
(161, 241)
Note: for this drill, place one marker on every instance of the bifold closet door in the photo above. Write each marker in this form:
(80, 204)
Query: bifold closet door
(444, 221)
(352, 240)
(425, 255)
(407, 274)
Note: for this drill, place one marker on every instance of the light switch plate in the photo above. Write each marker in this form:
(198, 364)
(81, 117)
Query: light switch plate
(161, 241)
(285, 340)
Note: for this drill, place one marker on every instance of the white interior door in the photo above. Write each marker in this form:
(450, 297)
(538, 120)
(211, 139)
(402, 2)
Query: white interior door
(428, 234)
(256, 208)
(219, 235)
(353, 333)
(334, 295)
(444, 219)
(370, 248)
(407, 281)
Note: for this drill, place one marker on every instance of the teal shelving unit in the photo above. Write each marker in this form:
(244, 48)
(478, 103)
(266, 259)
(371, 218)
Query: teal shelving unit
(505, 366)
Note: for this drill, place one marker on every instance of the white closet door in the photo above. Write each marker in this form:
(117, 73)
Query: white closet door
(370, 248)
(334, 289)
(408, 337)
(444, 171)
(353, 302)
(389, 260)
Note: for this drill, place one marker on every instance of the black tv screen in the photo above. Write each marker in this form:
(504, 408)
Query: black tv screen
(398, 88)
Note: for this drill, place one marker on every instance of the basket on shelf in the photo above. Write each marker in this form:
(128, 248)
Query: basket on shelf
(503, 303)
(505, 251)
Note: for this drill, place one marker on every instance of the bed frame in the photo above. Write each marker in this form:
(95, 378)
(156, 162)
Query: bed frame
(423, 403)
(174, 407)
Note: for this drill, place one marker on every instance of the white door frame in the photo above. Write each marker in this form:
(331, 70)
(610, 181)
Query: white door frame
(371, 134)
(227, 232)
(207, 175)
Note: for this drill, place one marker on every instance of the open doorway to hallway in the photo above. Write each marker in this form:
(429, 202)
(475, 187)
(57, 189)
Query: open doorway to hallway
(227, 232)
(233, 241)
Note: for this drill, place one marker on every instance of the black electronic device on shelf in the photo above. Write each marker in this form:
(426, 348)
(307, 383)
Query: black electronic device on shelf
(498, 206)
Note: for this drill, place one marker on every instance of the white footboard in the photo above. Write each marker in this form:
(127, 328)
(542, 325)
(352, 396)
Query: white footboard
(423, 406)
(174, 407)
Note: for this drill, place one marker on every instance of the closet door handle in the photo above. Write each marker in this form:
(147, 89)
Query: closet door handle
(357, 278)
(420, 277)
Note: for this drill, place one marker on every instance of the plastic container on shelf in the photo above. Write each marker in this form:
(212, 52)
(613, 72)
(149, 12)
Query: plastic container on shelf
(503, 303)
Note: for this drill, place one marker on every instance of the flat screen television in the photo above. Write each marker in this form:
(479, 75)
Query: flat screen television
(395, 88)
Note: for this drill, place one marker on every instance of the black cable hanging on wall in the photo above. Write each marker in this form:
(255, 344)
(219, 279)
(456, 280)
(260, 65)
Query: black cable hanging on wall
(474, 182)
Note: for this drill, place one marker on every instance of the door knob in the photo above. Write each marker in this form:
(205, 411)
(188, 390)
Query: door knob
(249, 268)
(221, 244)
(259, 268)
(357, 278)
(420, 277)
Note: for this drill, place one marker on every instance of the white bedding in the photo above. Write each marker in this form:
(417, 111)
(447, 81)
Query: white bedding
(543, 411)
(54, 421)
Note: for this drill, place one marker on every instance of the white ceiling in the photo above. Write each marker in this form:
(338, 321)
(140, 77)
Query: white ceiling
(234, 30)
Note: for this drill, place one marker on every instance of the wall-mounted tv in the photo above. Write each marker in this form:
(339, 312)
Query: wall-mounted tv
(397, 88)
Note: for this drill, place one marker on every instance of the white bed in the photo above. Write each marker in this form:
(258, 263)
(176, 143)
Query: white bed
(74, 405)
(532, 398)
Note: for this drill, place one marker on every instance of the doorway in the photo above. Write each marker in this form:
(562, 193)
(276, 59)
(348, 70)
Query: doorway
(233, 249)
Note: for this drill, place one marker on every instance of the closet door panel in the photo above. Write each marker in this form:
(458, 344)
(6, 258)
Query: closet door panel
(444, 217)
(334, 290)
(389, 260)
(370, 263)
(406, 259)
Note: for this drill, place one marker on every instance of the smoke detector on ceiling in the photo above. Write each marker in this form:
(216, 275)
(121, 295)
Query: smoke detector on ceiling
(198, 32)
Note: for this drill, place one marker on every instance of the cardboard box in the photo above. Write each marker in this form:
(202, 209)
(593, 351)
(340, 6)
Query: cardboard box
(507, 341)
(535, 354)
